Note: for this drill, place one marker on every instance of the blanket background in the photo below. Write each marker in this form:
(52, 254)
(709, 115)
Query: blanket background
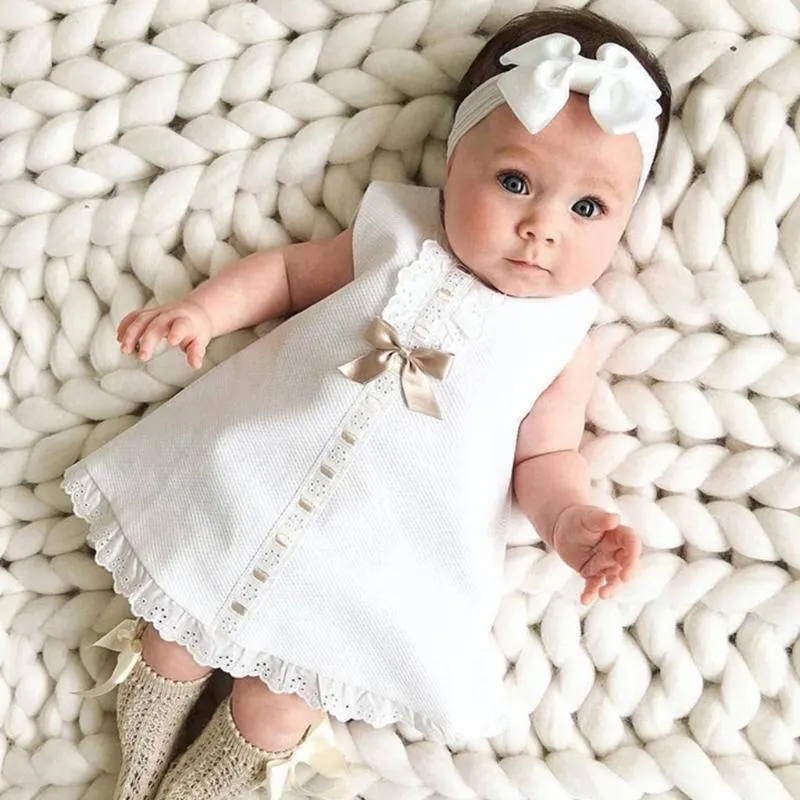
(147, 143)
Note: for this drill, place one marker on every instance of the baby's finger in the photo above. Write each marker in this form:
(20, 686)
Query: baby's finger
(591, 588)
(153, 334)
(630, 549)
(134, 327)
(612, 585)
(180, 329)
(195, 352)
(125, 323)
(600, 561)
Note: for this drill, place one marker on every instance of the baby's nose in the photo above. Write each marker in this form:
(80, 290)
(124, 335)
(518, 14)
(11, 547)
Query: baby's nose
(541, 226)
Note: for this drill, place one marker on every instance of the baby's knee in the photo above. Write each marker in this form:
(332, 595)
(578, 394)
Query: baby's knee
(286, 712)
(169, 659)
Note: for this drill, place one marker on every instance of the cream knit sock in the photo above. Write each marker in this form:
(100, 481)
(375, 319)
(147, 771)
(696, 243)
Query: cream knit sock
(219, 765)
(151, 711)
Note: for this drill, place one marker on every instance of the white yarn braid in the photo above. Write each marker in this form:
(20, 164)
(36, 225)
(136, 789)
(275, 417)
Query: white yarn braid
(144, 144)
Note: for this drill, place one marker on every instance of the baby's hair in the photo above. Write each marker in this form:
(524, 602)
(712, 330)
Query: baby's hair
(590, 29)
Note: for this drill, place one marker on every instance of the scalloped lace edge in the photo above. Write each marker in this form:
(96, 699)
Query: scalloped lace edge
(414, 284)
(114, 553)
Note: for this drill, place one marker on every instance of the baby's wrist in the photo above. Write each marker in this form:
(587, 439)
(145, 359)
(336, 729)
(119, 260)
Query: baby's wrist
(197, 307)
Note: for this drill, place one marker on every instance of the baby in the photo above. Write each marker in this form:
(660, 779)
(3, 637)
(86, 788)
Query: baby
(323, 516)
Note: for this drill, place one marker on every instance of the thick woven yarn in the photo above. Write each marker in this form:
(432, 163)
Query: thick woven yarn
(144, 144)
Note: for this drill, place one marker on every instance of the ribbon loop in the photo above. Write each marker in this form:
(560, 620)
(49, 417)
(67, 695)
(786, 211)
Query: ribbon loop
(622, 95)
(418, 365)
(319, 750)
(124, 639)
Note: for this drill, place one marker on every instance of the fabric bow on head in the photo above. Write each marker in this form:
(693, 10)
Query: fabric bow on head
(622, 95)
(418, 364)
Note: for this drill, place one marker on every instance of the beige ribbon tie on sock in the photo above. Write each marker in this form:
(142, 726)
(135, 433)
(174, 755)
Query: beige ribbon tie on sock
(319, 750)
(125, 639)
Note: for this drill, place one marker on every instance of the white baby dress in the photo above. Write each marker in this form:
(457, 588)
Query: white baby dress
(282, 520)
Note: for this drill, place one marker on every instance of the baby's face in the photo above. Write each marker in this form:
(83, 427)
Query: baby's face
(538, 216)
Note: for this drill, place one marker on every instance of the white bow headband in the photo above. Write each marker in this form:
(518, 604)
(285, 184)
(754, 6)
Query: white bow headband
(623, 97)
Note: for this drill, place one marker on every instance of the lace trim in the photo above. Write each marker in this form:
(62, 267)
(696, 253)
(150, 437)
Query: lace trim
(148, 601)
(415, 283)
(437, 303)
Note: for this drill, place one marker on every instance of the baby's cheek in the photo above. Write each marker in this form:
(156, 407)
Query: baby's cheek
(469, 232)
(484, 226)
(586, 263)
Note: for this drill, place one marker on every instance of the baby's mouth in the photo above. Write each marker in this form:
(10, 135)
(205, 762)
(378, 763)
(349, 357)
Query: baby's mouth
(525, 264)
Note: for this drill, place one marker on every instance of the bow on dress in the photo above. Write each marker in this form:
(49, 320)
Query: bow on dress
(418, 364)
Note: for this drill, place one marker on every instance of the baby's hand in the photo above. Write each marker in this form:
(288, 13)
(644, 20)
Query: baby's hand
(594, 544)
(184, 324)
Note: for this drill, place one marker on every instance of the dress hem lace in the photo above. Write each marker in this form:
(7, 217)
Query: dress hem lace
(148, 601)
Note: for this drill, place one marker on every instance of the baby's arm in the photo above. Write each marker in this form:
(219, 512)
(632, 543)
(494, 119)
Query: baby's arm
(551, 483)
(259, 287)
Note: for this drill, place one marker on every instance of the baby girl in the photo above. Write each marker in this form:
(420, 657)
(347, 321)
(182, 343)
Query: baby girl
(323, 516)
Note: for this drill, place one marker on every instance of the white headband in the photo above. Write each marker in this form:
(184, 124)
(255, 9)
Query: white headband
(623, 97)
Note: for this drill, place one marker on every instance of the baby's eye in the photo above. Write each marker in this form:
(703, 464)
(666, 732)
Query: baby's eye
(514, 183)
(588, 208)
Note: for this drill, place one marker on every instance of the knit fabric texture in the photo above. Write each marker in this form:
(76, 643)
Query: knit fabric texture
(219, 765)
(151, 712)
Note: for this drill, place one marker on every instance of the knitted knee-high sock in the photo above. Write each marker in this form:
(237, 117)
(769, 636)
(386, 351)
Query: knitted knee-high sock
(151, 711)
(219, 765)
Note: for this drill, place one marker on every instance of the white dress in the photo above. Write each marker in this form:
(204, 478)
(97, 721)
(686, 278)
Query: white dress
(282, 520)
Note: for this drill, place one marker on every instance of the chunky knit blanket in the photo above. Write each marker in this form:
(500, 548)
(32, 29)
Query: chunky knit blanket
(145, 144)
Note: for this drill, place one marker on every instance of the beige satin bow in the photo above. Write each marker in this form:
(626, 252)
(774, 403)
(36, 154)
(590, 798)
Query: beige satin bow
(320, 751)
(418, 365)
(125, 639)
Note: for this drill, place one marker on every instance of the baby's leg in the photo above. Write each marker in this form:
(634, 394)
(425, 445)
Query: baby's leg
(229, 758)
(169, 659)
(267, 720)
(153, 704)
